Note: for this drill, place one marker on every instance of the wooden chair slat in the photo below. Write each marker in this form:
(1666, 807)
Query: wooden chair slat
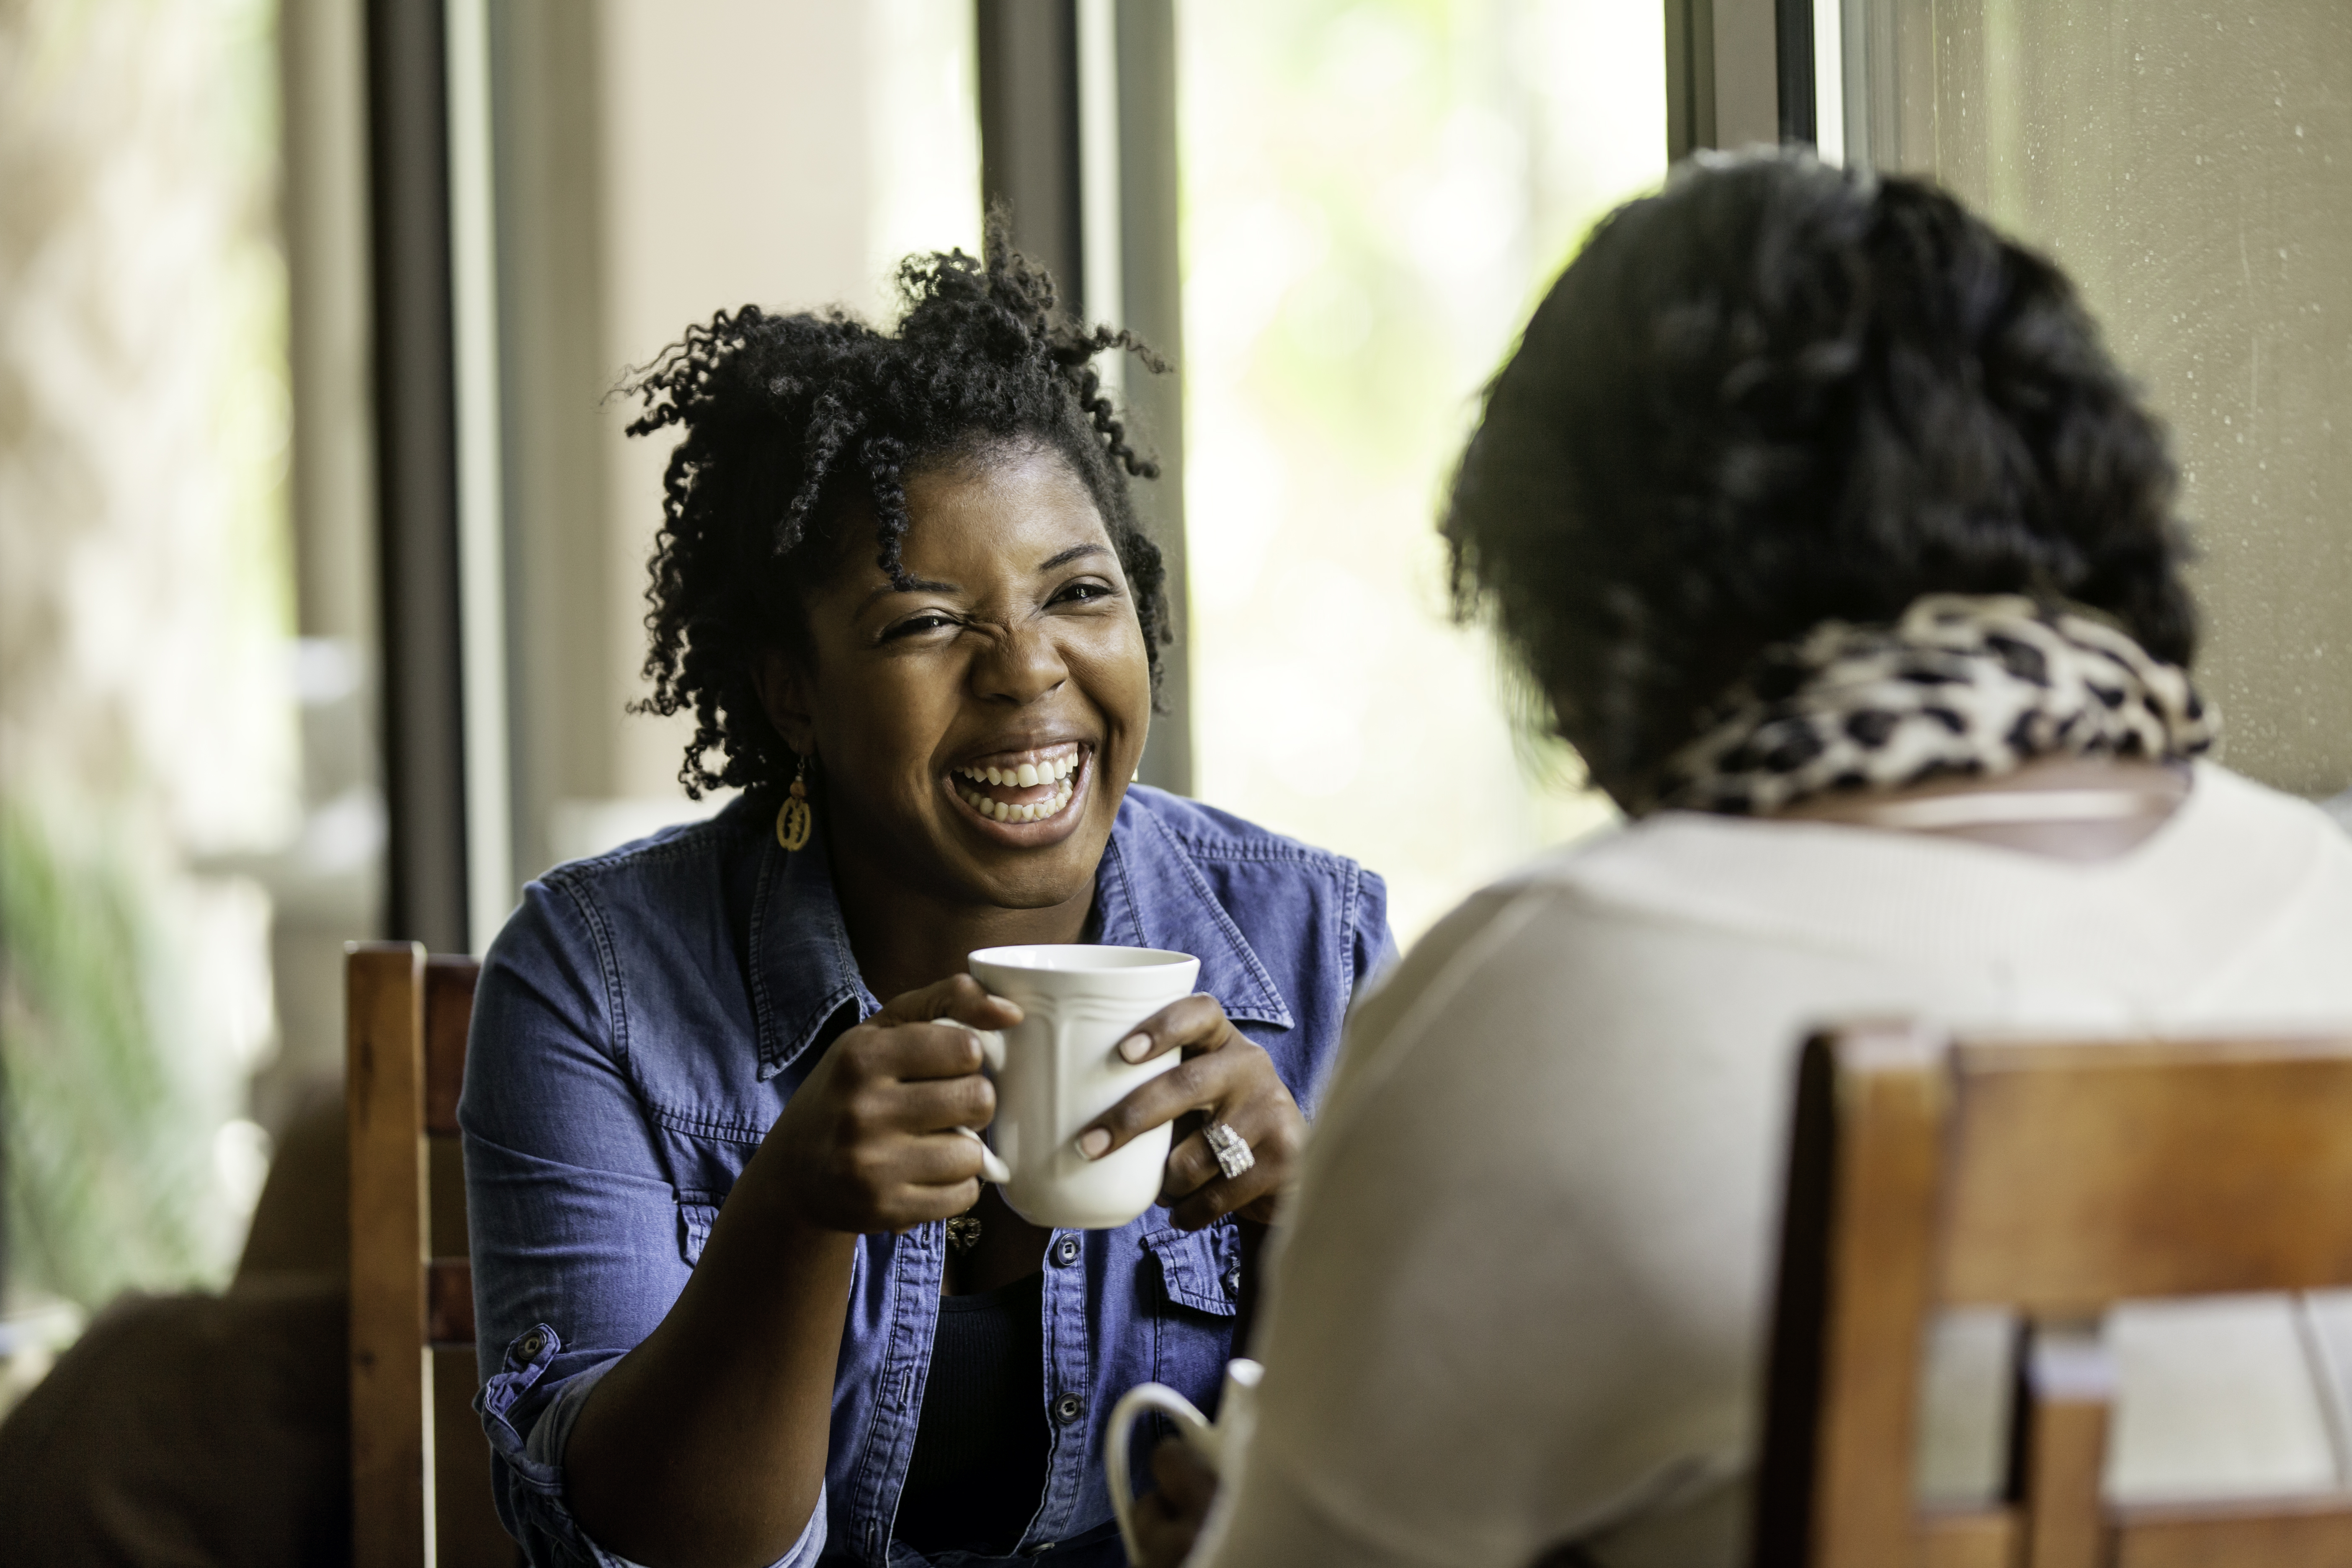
(448, 1012)
(444, 1165)
(1834, 1492)
(1967, 1538)
(1883, 1177)
(385, 1090)
(449, 1304)
(2086, 1174)
(2065, 1392)
(420, 1464)
(2292, 1532)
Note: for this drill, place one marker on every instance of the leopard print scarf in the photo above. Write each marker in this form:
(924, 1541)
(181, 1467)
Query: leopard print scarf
(1959, 685)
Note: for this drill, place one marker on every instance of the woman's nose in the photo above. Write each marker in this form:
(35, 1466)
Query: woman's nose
(1021, 666)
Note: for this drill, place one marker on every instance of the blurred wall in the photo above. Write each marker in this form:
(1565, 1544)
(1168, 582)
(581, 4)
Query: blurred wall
(659, 161)
(736, 171)
(556, 363)
(2191, 167)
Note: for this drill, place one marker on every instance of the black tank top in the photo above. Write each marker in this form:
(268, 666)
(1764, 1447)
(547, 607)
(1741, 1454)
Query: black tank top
(979, 1470)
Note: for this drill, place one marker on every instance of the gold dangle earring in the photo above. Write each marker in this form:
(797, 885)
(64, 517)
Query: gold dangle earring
(792, 817)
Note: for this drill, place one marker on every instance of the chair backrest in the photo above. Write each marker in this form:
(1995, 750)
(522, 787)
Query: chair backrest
(2054, 1179)
(420, 1465)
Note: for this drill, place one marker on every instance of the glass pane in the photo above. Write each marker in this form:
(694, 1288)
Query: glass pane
(2191, 167)
(151, 768)
(1374, 196)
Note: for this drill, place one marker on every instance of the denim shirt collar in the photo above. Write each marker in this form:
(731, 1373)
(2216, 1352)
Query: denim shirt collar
(1148, 893)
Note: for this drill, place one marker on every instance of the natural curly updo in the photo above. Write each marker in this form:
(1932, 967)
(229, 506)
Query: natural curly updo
(792, 426)
(1778, 393)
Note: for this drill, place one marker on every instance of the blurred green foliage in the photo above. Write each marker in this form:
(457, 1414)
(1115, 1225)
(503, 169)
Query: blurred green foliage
(105, 1176)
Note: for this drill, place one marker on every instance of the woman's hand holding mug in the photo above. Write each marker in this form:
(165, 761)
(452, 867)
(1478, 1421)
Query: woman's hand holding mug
(875, 1139)
(1225, 1076)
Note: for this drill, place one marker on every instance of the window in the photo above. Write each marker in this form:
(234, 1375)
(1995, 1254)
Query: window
(1374, 196)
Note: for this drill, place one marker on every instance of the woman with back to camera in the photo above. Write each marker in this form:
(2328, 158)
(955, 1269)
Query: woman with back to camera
(1849, 563)
(716, 1080)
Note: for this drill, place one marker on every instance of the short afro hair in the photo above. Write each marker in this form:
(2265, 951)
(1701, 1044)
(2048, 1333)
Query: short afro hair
(1779, 393)
(792, 426)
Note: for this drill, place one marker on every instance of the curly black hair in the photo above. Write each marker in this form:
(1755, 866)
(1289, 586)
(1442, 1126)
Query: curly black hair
(793, 425)
(1779, 393)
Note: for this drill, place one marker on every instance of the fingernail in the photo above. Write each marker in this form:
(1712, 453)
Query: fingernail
(1134, 1046)
(1093, 1142)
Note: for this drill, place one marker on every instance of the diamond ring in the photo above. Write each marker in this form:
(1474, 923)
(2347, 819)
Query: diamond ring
(1232, 1150)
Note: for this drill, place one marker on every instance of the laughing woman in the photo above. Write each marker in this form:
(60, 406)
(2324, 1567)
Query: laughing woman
(716, 1077)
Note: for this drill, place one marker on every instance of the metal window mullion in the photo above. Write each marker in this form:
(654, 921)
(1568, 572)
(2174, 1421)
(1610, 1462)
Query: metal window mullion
(425, 782)
(480, 486)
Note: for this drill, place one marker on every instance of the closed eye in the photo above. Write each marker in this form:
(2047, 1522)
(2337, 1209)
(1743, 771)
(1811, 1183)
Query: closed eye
(915, 625)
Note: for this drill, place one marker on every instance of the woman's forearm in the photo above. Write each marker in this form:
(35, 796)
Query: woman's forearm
(706, 1443)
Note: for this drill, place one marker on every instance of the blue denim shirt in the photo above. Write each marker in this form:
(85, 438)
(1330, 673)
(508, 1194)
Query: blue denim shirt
(644, 1018)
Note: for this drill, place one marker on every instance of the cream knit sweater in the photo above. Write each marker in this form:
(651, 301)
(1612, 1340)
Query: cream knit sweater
(1521, 1295)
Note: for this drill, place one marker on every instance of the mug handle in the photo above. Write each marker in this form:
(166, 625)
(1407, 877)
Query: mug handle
(991, 1062)
(1196, 1430)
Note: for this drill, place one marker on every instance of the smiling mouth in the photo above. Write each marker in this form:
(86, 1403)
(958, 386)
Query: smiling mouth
(1023, 786)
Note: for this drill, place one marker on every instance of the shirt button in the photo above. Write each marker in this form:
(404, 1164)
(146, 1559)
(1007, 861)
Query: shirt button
(1234, 1281)
(1066, 1251)
(1068, 1408)
(532, 1344)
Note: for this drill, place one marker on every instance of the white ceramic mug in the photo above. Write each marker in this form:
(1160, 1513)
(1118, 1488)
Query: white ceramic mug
(1059, 1068)
(1236, 1412)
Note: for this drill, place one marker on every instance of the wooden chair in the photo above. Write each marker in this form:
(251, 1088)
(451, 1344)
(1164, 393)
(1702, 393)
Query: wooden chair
(2054, 1180)
(420, 1465)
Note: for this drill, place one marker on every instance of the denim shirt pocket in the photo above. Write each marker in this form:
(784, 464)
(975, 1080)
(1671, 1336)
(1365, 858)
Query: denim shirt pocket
(528, 1357)
(1192, 1324)
(696, 1213)
(1199, 1269)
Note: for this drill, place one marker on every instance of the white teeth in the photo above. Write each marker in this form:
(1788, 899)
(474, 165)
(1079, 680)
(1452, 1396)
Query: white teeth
(997, 810)
(1055, 771)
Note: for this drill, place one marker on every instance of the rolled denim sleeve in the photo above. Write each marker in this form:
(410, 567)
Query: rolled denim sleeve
(530, 1469)
(575, 1227)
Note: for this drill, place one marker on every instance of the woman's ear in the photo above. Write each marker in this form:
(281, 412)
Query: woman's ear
(783, 696)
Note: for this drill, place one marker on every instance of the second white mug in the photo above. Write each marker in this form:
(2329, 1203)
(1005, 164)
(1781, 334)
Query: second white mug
(1059, 1068)
(1215, 1441)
